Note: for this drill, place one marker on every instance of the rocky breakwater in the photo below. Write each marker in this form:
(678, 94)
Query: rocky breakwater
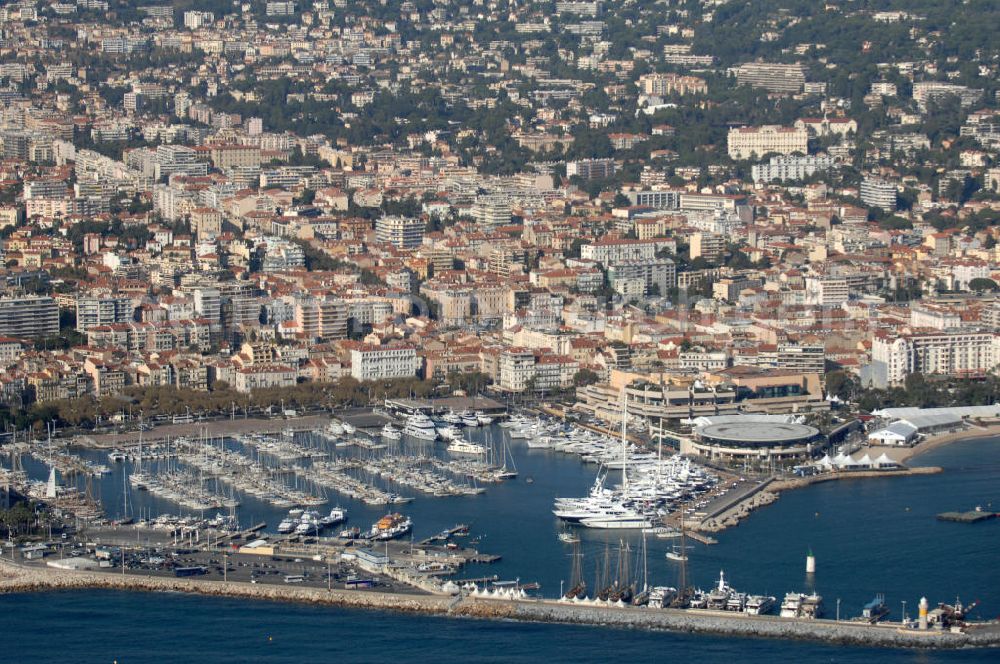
(738, 512)
(15, 578)
(729, 624)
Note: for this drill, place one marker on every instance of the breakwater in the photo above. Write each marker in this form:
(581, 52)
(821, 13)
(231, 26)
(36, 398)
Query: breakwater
(732, 624)
(14, 578)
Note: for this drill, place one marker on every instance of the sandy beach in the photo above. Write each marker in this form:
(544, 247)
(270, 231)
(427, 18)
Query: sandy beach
(904, 454)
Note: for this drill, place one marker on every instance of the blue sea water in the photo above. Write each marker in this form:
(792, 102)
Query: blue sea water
(869, 536)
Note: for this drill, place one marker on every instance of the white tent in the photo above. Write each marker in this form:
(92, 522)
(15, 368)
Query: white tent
(865, 461)
(885, 462)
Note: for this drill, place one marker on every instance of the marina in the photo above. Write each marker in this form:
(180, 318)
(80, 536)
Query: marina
(552, 473)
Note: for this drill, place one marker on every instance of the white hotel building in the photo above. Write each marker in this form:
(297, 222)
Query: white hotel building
(370, 362)
(750, 142)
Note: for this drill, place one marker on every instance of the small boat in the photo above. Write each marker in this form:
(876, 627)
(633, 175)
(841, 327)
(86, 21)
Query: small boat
(348, 428)
(569, 538)
(116, 456)
(390, 432)
(484, 419)
(677, 555)
(469, 419)
(350, 533)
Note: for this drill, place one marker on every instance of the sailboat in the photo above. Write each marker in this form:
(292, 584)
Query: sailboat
(577, 586)
(504, 473)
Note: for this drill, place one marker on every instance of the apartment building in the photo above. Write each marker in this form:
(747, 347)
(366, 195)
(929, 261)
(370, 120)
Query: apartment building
(959, 353)
(401, 232)
(94, 310)
(773, 77)
(590, 169)
(661, 85)
(30, 316)
(879, 193)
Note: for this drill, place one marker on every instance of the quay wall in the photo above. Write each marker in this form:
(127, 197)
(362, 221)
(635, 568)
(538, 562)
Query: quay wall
(15, 578)
(731, 624)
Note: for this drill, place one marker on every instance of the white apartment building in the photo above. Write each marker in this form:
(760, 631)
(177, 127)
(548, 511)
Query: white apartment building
(401, 232)
(370, 362)
(827, 291)
(791, 168)
(612, 252)
(750, 142)
(969, 353)
(879, 193)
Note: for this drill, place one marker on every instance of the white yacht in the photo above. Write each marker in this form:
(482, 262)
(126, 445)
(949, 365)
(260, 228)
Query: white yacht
(617, 521)
(483, 418)
(336, 515)
(286, 526)
(469, 419)
(449, 433)
(758, 605)
(390, 432)
(791, 605)
(420, 426)
(451, 417)
(334, 428)
(348, 428)
(465, 447)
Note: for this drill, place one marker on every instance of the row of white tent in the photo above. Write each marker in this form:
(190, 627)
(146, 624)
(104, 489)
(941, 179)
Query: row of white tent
(846, 462)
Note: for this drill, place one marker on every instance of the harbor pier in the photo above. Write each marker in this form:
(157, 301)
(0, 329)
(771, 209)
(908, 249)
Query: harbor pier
(17, 578)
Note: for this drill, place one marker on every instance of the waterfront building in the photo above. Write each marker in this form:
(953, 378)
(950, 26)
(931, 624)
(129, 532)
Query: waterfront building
(963, 353)
(370, 362)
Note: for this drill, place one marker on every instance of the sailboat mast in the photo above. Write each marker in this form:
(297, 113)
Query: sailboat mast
(624, 442)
